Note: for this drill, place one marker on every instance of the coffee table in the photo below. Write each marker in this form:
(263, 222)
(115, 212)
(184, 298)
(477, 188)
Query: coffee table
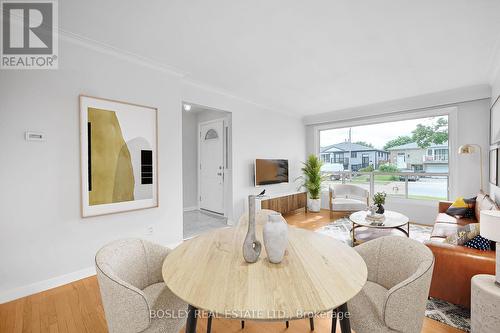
(393, 220)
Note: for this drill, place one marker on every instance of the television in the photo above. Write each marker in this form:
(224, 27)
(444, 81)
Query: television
(269, 171)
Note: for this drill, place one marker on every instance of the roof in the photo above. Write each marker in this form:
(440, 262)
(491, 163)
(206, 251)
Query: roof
(413, 145)
(346, 146)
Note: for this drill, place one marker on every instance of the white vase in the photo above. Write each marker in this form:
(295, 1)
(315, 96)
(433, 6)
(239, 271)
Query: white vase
(314, 205)
(275, 238)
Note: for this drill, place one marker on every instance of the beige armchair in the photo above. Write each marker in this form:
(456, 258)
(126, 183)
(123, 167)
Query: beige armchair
(130, 279)
(395, 295)
(348, 198)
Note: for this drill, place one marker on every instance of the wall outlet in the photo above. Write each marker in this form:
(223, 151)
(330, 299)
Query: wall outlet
(150, 231)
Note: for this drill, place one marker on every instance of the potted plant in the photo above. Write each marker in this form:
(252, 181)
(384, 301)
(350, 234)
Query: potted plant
(311, 181)
(379, 200)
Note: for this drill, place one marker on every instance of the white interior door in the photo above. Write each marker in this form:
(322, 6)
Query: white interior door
(212, 166)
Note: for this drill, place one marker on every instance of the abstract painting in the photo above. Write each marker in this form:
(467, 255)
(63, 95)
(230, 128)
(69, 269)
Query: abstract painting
(118, 156)
(495, 121)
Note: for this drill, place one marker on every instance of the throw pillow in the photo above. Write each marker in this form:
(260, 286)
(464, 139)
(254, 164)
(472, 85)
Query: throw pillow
(463, 234)
(462, 208)
(479, 243)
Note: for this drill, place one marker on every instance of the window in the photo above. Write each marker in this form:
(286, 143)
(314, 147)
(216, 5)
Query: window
(393, 150)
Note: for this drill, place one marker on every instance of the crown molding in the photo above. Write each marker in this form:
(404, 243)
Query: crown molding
(120, 53)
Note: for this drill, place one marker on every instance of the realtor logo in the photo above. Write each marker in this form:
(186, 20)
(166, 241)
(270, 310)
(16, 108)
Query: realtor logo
(29, 35)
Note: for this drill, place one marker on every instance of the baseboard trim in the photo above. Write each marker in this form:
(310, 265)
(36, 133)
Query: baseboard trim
(37, 287)
(40, 286)
(189, 209)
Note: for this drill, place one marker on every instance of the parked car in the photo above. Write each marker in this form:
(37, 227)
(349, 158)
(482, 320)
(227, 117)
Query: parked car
(411, 178)
(334, 169)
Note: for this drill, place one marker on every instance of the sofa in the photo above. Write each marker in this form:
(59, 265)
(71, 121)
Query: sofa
(455, 265)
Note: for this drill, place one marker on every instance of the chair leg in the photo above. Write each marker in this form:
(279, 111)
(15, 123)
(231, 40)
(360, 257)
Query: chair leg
(209, 324)
(334, 321)
(345, 324)
(311, 323)
(242, 324)
(287, 323)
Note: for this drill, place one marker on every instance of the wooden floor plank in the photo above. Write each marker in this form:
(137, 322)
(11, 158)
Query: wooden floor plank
(77, 307)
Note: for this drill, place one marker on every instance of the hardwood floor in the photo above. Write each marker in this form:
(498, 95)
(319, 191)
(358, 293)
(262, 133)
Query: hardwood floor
(77, 307)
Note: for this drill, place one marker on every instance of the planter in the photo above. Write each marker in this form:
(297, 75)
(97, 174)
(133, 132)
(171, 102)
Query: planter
(314, 205)
(380, 209)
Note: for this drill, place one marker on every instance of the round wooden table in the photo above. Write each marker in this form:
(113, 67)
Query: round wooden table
(318, 274)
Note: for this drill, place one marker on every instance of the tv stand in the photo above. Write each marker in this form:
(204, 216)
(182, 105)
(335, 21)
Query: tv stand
(285, 203)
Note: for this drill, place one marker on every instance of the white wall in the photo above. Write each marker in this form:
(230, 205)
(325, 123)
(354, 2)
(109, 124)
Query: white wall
(43, 240)
(470, 125)
(42, 234)
(189, 159)
(495, 91)
(256, 133)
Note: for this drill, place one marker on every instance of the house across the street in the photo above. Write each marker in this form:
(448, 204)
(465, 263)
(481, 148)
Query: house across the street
(411, 156)
(359, 156)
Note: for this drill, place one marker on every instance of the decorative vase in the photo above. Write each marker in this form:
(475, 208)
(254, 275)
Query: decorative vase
(380, 209)
(314, 205)
(251, 246)
(275, 238)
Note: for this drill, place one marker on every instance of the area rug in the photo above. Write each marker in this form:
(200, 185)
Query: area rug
(444, 312)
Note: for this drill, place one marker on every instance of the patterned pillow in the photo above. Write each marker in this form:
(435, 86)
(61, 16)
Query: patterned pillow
(479, 243)
(463, 234)
(462, 208)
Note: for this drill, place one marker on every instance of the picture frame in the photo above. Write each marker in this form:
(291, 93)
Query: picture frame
(118, 156)
(494, 170)
(495, 122)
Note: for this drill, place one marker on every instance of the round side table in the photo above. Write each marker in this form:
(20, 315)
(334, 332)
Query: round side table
(485, 304)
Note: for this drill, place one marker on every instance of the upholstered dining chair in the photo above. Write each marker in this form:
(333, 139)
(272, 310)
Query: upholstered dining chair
(348, 198)
(129, 273)
(395, 295)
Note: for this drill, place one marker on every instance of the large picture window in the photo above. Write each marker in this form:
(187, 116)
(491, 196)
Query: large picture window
(407, 158)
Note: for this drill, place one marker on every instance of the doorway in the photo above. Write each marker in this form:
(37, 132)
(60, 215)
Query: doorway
(207, 173)
(211, 171)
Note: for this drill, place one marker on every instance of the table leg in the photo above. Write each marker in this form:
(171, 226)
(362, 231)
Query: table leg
(191, 319)
(345, 324)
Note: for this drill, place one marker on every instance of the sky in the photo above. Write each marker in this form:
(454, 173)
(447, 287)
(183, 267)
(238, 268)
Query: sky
(377, 134)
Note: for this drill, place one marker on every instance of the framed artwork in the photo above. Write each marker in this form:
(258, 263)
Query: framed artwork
(495, 122)
(118, 143)
(494, 171)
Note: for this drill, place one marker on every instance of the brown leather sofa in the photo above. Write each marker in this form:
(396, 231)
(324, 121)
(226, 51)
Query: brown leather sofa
(455, 265)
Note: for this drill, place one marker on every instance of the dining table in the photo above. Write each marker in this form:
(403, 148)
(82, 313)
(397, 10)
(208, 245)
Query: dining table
(318, 274)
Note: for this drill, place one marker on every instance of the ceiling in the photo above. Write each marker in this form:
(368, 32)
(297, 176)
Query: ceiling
(304, 57)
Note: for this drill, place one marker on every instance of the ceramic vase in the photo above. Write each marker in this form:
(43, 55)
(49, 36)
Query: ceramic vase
(275, 238)
(251, 246)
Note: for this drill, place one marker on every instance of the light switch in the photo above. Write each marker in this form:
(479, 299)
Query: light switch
(34, 136)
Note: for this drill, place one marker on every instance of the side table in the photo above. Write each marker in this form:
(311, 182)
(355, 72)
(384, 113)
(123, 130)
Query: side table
(485, 304)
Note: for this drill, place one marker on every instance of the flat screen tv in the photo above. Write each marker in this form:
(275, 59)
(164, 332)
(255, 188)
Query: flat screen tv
(268, 171)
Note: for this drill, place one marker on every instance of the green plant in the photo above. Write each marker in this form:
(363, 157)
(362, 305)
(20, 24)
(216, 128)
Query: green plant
(312, 178)
(388, 168)
(379, 198)
(367, 169)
